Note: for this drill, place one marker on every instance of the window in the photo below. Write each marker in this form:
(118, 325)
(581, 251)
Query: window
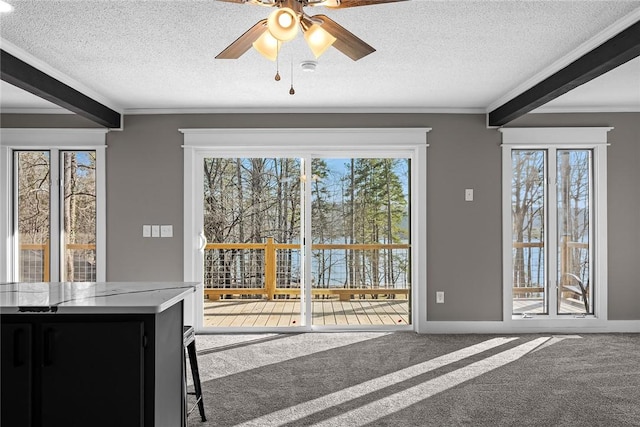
(554, 222)
(53, 182)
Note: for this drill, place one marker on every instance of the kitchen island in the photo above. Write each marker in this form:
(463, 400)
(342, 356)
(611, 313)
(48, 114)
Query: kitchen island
(92, 354)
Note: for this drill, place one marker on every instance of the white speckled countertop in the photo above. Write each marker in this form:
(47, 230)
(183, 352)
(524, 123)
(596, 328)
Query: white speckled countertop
(92, 298)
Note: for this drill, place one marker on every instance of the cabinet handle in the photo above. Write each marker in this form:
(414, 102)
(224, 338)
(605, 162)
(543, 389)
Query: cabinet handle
(18, 346)
(48, 347)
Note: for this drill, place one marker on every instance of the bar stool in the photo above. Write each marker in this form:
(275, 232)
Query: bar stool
(189, 345)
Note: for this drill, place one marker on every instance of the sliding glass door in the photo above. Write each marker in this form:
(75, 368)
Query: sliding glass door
(252, 216)
(360, 233)
(256, 212)
(305, 229)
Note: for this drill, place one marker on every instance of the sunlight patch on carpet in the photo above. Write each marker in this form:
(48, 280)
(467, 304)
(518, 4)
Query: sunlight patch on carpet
(310, 407)
(394, 403)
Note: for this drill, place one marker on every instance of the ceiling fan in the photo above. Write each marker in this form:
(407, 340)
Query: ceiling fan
(320, 32)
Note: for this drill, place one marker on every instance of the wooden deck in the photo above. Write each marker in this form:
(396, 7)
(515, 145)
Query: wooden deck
(256, 313)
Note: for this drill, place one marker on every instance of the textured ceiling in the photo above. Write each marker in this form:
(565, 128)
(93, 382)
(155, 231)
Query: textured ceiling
(137, 56)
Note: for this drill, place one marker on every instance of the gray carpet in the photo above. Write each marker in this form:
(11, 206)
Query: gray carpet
(405, 379)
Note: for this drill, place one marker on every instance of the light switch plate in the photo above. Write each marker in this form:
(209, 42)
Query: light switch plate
(440, 297)
(155, 231)
(146, 231)
(468, 195)
(166, 231)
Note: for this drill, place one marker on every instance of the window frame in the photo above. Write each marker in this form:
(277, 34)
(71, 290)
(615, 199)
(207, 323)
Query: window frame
(55, 141)
(551, 140)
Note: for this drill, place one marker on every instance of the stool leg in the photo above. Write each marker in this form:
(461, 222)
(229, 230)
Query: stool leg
(191, 348)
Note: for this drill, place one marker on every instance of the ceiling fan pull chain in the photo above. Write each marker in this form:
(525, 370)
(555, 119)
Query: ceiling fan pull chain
(277, 77)
(292, 91)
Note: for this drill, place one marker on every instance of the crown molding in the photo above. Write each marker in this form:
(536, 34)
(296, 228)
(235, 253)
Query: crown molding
(327, 110)
(567, 110)
(58, 110)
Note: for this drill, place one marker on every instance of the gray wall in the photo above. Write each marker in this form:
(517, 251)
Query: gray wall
(66, 120)
(144, 186)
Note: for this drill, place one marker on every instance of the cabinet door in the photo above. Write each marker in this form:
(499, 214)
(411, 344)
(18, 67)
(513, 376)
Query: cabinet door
(92, 374)
(16, 374)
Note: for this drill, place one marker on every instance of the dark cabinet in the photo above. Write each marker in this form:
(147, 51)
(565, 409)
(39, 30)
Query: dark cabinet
(100, 365)
(16, 371)
(92, 370)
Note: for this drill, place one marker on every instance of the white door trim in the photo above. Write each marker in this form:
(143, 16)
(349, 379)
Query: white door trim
(306, 142)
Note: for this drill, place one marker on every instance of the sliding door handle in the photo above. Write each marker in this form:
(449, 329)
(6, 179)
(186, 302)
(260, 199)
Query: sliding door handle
(203, 241)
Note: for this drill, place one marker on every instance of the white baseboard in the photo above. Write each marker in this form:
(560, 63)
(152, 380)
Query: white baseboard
(583, 326)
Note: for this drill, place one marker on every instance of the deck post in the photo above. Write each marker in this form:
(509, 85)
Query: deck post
(270, 268)
(46, 260)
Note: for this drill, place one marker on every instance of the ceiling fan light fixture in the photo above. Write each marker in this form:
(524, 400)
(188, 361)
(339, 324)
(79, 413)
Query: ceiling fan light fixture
(267, 45)
(5, 7)
(331, 3)
(318, 39)
(283, 24)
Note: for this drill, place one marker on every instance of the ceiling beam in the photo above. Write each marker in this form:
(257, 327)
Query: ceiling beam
(26, 77)
(616, 51)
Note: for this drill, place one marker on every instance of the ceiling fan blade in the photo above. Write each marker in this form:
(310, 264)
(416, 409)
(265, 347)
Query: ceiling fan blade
(243, 43)
(354, 3)
(346, 42)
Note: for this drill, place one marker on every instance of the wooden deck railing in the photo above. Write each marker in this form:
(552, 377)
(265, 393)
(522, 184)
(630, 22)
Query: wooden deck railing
(44, 247)
(270, 288)
(566, 266)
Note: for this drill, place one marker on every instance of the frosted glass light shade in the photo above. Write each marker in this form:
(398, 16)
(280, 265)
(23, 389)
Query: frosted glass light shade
(283, 24)
(318, 39)
(5, 7)
(267, 45)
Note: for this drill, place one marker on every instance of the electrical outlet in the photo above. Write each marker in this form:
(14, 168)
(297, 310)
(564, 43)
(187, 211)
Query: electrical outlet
(440, 297)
